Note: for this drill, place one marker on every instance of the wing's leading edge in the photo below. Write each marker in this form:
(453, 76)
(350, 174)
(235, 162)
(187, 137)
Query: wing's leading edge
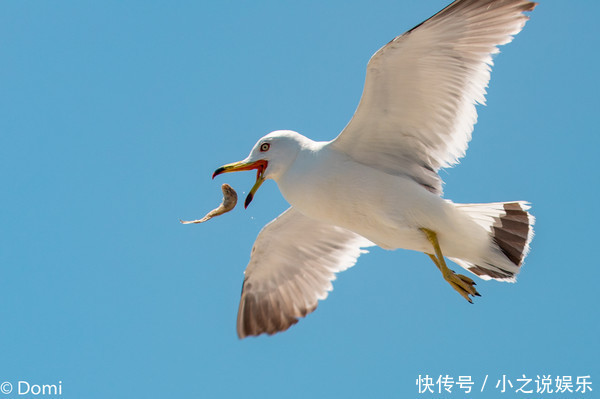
(417, 110)
(292, 264)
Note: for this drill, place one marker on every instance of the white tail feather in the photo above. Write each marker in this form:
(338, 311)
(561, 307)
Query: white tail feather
(510, 227)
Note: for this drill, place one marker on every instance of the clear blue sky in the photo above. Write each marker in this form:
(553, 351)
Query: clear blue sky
(114, 114)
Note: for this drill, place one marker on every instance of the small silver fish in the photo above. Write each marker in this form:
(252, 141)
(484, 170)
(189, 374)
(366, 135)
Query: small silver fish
(229, 202)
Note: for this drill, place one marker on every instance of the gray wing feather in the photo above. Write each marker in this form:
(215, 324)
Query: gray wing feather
(292, 264)
(417, 111)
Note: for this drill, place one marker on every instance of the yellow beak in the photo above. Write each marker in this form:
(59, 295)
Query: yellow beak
(260, 166)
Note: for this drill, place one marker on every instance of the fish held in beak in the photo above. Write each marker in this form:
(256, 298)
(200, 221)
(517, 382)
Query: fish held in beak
(228, 203)
(260, 166)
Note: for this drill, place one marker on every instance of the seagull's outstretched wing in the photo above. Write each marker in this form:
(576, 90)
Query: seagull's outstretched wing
(293, 262)
(417, 110)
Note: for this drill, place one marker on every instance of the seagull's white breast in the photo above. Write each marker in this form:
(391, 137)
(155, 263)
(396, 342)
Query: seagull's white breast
(327, 185)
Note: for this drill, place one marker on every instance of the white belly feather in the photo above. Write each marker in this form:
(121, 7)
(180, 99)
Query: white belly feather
(386, 209)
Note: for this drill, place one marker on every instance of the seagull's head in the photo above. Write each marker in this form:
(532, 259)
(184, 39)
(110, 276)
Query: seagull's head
(271, 156)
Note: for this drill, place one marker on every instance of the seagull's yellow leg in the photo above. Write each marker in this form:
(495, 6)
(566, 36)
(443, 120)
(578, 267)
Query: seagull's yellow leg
(435, 261)
(462, 284)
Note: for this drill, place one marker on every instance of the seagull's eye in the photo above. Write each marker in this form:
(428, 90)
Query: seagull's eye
(265, 147)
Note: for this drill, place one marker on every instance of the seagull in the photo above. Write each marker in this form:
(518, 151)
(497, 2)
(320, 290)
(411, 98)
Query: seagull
(377, 182)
